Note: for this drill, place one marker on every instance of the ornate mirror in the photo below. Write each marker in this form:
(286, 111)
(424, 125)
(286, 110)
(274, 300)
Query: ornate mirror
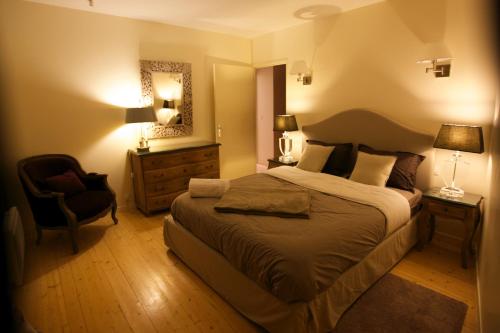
(167, 87)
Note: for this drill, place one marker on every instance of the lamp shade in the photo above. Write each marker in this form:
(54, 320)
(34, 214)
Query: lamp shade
(285, 122)
(299, 67)
(141, 115)
(168, 104)
(461, 138)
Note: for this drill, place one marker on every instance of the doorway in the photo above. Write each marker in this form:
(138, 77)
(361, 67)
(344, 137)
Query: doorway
(270, 102)
(234, 100)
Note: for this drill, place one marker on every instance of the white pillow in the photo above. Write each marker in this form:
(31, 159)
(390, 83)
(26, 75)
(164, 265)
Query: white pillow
(372, 169)
(314, 157)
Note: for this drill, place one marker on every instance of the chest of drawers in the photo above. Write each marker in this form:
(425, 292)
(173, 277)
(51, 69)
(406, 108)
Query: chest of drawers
(163, 173)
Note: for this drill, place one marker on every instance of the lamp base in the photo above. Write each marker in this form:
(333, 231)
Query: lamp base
(451, 192)
(142, 149)
(286, 159)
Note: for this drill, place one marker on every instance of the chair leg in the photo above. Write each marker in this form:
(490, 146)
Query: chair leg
(38, 234)
(72, 235)
(113, 212)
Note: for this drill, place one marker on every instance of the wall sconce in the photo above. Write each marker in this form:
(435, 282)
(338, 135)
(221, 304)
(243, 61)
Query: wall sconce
(169, 104)
(440, 67)
(303, 73)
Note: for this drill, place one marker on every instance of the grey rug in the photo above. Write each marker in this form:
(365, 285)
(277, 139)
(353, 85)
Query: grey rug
(396, 305)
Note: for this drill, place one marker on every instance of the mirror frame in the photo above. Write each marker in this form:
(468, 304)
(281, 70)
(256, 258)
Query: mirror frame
(164, 131)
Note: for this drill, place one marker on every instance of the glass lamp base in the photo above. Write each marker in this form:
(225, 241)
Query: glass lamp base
(286, 159)
(451, 192)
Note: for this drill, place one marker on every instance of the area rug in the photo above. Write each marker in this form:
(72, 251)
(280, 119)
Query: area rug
(400, 306)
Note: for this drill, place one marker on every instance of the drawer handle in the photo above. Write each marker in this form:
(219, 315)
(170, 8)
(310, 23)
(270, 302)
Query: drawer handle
(184, 170)
(446, 209)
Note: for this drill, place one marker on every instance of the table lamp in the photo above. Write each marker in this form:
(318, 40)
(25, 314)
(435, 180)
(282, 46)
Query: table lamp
(285, 123)
(144, 116)
(460, 138)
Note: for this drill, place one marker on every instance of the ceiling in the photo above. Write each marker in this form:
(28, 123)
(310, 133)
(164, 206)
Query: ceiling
(248, 18)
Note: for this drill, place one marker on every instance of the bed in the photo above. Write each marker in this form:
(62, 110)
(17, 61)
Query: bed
(279, 273)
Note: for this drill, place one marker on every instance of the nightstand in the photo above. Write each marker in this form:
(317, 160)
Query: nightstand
(466, 210)
(275, 162)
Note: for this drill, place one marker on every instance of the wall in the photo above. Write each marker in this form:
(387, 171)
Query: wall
(489, 263)
(366, 58)
(68, 75)
(265, 112)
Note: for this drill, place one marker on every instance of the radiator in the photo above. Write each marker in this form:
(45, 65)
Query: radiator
(14, 243)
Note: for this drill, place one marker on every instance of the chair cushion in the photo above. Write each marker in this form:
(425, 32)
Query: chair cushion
(67, 183)
(89, 203)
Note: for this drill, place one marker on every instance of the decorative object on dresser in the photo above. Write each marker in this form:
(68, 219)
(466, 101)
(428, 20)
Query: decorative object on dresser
(285, 123)
(167, 81)
(163, 173)
(143, 116)
(63, 196)
(458, 138)
(274, 163)
(466, 209)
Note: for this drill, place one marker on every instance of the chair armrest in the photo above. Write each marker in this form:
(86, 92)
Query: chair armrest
(94, 181)
(47, 194)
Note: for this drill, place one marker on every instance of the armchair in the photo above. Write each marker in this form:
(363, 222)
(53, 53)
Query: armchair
(58, 210)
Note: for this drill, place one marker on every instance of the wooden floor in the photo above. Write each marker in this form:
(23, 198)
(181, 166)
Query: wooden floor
(124, 280)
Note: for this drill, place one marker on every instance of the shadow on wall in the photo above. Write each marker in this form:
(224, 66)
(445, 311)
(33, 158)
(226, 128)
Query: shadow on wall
(324, 18)
(429, 30)
(50, 120)
(426, 19)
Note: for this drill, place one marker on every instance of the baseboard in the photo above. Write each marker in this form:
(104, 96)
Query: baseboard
(261, 168)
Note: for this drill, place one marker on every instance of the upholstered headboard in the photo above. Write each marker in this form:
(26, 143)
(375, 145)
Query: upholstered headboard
(361, 126)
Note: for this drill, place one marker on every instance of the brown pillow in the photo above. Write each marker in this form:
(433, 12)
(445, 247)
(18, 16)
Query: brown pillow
(340, 161)
(67, 183)
(404, 172)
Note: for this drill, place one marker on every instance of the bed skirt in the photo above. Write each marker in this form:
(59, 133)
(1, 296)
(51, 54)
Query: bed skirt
(257, 304)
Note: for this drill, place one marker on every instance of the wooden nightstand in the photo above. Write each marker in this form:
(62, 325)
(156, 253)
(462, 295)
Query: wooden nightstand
(275, 162)
(466, 209)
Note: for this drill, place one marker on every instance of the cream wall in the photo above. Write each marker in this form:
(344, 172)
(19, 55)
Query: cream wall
(366, 58)
(489, 259)
(68, 76)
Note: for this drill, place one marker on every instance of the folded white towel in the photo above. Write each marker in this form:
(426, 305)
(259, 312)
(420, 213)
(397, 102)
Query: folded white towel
(208, 188)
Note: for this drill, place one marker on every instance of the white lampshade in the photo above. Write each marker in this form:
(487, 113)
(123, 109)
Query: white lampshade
(299, 67)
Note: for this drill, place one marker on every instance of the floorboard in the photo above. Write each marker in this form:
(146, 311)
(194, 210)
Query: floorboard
(123, 280)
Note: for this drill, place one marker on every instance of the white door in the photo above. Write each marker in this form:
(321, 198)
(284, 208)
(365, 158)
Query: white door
(234, 97)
